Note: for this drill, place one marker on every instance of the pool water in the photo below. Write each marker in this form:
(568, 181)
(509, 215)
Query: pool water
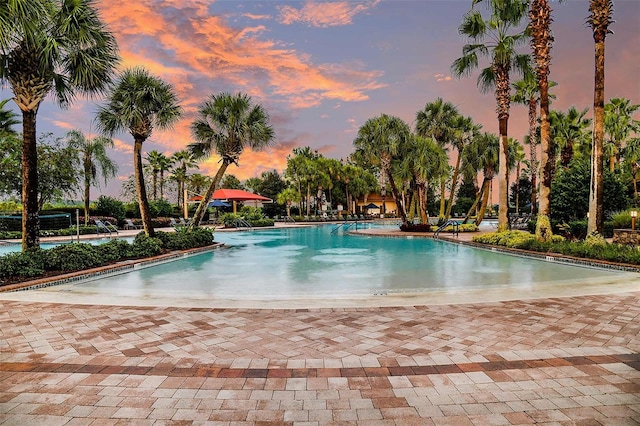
(313, 262)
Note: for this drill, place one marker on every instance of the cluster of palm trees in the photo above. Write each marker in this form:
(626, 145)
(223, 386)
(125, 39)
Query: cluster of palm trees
(63, 48)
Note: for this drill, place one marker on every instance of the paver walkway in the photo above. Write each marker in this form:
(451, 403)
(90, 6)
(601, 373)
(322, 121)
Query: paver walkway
(549, 361)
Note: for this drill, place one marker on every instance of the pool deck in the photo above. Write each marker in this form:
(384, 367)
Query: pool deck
(547, 360)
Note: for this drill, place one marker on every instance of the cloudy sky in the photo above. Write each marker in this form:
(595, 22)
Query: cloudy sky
(322, 68)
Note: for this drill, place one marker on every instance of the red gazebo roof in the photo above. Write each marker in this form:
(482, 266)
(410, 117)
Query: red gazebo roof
(238, 195)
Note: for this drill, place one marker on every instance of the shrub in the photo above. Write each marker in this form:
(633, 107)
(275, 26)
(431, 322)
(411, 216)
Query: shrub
(23, 264)
(72, 257)
(160, 208)
(621, 220)
(114, 250)
(144, 246)
(109, 206)
(261, 222)
(513, 239)
(185, 239)
(228, 219)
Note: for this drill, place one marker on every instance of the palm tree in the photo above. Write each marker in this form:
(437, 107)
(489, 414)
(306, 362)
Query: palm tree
(139, 102)
(541, 42)
(505, 16)
(153, 158)
(481, 154)
(599, 20)
(287, 197)
(95, 161)
(226, 125)
(515, 157)
(429, 162)
(183, 161)
(164, 164)
(618, 125)
(7, 119)
(437, 120)
(568, 134)
(380, 141)
(46, 46)
(464, 130)
(527, 92)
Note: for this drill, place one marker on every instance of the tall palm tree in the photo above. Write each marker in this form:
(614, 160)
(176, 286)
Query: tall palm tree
(527, 92)
(380, 140)
(153, 158)
(164, 165)
(95, 161)
(437, 120)
(226, 125)
(464, 130)
(618, 125)
(183, 161)
(599, 20)
(50, 46)
(541, 43)
(500, 46)
(139, 103)
(429, 162)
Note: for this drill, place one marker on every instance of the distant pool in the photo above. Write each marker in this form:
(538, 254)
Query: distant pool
(314, 262)
(11, 247)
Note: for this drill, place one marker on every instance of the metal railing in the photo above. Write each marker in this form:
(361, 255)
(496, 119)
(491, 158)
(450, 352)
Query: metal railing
(450, 222)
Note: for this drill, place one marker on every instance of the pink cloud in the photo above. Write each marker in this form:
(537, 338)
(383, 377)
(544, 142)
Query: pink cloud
(325, 14)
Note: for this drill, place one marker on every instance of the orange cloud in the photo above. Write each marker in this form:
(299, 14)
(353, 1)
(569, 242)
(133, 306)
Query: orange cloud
(442, 77)
(324, 14)
(200, 54)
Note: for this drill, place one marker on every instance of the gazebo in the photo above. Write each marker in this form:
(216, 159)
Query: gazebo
(235, 195)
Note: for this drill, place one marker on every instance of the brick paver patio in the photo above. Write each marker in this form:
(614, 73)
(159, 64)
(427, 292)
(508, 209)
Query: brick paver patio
(549, 361)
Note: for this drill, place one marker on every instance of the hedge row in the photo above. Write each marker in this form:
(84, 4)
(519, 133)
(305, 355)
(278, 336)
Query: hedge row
(80, 256)
(590, 248)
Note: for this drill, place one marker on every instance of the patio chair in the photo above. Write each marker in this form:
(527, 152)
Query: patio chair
(128, 224)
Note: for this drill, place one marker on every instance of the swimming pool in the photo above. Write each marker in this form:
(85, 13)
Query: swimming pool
(312, 262)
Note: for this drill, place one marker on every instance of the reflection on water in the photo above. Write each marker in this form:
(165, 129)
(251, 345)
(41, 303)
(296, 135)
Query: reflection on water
(312, 262)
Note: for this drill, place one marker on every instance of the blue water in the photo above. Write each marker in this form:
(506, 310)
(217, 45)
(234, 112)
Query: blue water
(11, 247)
(285, 262)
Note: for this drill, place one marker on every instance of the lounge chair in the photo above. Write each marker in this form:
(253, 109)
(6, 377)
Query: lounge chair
(128, 224)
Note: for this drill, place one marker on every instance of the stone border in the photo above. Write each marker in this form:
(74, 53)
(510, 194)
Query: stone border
(107, 270)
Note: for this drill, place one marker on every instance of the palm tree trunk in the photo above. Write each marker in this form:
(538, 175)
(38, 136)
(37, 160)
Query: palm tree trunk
(533, 143)
(204, 203)
(596, 188)
(485, 200)
(422, 203)
(30, 217)
(396, 196)
(518, 188)
(87, 188)
(140, 187)
(503, 209)
(454, 184)
(443, 187)
(474, 206)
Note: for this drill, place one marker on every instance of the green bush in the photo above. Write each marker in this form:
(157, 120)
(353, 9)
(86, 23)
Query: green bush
(72, 257)
(144, 246)
(160, 208)
(257, 223)
(109, 206)
(228, 219)
(184, 239)
(22, 264)
(114, 250)
(621, 220)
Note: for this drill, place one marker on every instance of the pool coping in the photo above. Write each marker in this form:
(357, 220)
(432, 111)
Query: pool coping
(117, 268)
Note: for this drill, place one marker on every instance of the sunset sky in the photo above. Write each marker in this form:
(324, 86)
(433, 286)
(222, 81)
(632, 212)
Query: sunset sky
(321, 69)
